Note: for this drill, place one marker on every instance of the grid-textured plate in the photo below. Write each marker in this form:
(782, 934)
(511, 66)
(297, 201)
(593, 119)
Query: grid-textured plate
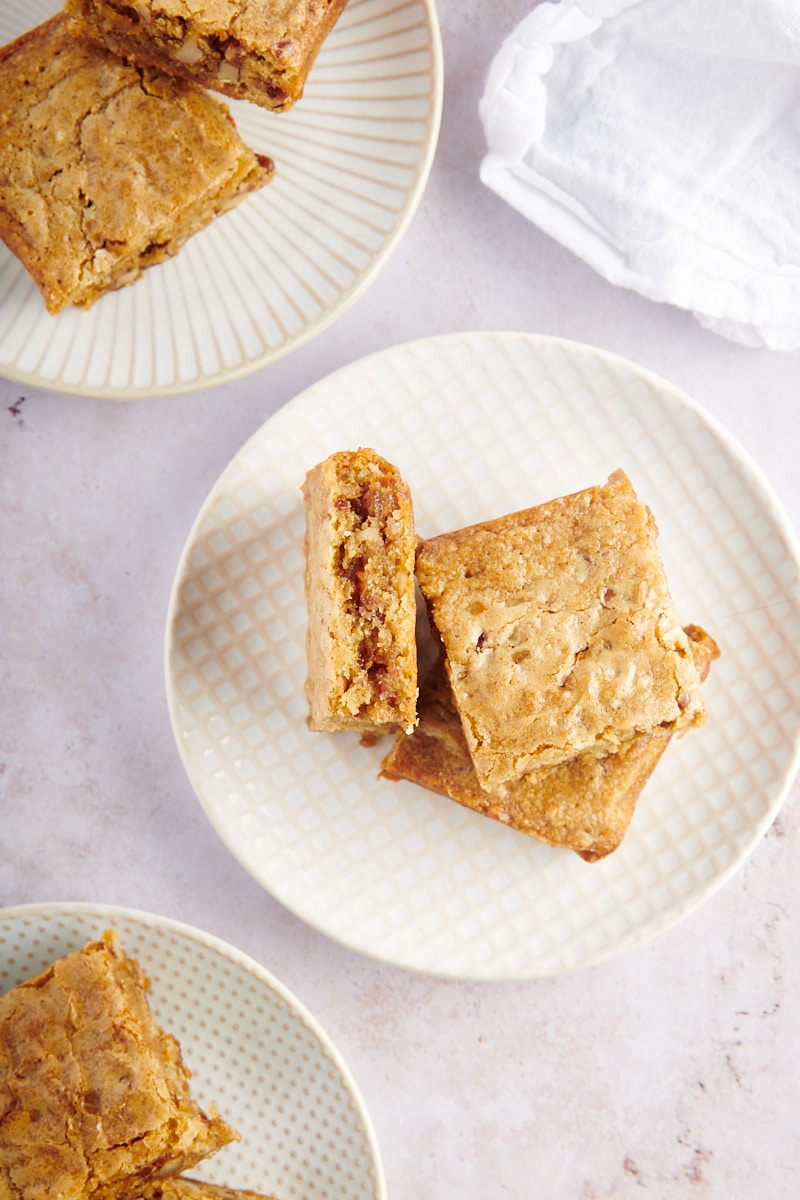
(352, 158)
(251, 1047)
(480, 425)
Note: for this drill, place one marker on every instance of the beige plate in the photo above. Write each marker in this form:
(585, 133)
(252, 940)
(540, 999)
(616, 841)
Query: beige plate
(352, 159)
(251, 1047)
(480, 425)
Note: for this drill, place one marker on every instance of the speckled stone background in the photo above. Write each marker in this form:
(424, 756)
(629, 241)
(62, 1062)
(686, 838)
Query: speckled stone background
(670, 1072)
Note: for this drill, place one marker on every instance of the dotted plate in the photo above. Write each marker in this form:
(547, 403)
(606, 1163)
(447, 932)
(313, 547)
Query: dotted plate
(352, 158)
(251, 1047)
(480, 425)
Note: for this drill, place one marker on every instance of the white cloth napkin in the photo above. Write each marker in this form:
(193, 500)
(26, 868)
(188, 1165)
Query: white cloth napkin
(659, 140)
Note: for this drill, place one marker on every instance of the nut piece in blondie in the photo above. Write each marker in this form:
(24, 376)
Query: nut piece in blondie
(359, 586)
(94, 1096)
(257, 50)
(585, 804)
(106, 168)
(559, 632)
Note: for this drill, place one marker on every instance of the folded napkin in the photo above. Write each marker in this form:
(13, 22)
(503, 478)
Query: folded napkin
(659, 140)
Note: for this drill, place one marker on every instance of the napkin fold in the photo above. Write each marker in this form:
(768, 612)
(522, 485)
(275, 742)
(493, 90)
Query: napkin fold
(659, 140)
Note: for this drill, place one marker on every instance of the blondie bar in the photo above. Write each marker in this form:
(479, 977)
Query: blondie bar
(257, 50)
(106, 168)
(559, 632)
(94, 1096)
(585, 804)
(359, 586)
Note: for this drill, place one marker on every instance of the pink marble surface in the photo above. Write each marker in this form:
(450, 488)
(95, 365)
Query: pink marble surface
(670, 1072)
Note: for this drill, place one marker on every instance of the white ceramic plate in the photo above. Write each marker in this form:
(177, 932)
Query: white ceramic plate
(352, 158)
(251, 1047)
(481, 425)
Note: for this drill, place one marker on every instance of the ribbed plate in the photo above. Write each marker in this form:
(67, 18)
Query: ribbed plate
(481, 425)
(252, 1048)
(352, 158)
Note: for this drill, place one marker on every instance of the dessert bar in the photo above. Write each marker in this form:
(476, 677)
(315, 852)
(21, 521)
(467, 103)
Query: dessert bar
(559, 632)
(106, 168)
(257, 50)
(359, 585)
(94, 1096)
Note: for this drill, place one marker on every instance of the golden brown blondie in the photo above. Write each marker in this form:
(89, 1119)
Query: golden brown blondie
(559, 632)
(585, 804)
(94, 1096)
(359, 585)
(106, 168)
(258, 50)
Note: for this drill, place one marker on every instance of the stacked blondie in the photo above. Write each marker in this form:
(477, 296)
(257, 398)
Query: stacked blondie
(94, 1096)
(562, 669)
(112, 151)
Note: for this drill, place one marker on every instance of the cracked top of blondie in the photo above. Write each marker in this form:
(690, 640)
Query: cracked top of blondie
(559, 631)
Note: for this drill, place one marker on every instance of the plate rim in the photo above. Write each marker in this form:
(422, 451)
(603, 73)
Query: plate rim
(325, 320)
(211, 941)
(767, 496)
